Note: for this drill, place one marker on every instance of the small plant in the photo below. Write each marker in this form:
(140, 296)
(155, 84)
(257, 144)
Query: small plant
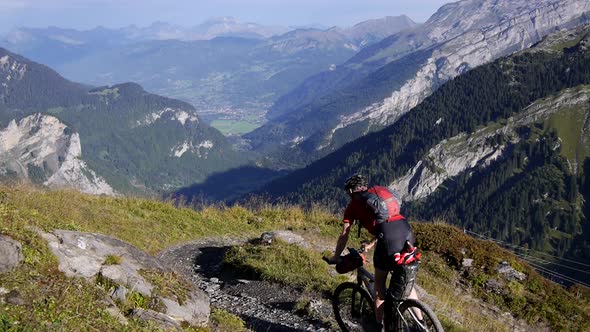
(224, 321)
(113, 260)
(302, 306)
(168, 284)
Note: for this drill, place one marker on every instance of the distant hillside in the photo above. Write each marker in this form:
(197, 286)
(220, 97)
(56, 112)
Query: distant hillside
(228, 70)
(384, 81)
(137, 141)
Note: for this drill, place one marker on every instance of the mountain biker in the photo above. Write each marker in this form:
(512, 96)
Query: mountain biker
(390, 231)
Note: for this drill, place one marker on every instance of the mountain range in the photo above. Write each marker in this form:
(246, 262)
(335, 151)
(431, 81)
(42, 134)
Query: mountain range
(107, 139)
(384, 81)
(223, 67)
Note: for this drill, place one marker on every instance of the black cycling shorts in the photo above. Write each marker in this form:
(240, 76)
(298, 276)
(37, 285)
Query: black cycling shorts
(392, 237)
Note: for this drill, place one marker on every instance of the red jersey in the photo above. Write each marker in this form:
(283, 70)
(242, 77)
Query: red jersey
(359, 209)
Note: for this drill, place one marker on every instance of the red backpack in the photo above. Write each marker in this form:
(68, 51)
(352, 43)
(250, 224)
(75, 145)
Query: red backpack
(384, 202)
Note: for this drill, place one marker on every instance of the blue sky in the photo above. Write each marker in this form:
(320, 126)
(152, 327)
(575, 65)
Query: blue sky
(85, 14)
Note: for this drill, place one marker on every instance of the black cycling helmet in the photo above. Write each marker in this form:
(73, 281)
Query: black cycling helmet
(356, 182)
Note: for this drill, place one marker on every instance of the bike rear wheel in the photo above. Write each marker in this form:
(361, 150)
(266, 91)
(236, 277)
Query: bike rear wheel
(353, 308)
(412, 315)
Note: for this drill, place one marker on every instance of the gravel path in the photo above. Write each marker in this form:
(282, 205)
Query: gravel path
(264, 306)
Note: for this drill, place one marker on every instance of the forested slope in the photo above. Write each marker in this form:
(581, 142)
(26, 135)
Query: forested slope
(532, 195)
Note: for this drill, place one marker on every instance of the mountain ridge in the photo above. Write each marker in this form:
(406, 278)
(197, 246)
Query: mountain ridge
(368, 111)
(137, 141)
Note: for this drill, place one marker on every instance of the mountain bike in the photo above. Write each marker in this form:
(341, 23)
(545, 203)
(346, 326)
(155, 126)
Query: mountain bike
(354, 306)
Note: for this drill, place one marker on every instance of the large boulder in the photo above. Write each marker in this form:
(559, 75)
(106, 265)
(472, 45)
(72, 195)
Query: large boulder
(87, 255)
(84, 255)
(11, 254)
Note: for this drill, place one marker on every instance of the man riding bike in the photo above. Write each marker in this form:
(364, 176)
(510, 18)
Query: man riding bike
(377, 210)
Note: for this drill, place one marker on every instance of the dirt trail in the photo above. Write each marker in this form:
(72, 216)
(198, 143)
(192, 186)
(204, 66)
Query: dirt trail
(264, 306)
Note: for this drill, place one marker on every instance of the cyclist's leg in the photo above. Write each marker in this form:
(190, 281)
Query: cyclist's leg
(414, 295)
(380, 279)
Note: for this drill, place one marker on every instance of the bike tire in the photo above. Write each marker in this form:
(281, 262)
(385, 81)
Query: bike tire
(353, 308)
(406, 320)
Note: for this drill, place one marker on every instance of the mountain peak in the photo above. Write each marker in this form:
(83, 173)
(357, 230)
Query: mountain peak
(221, 20)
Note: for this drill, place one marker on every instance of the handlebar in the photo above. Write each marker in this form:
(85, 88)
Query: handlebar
(350, 250)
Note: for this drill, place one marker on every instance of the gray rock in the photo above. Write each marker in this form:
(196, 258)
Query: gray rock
(509, 273)
(267, 237)
(467, 262)
(286, 236)
(10, 254)
(194, 311)
(60, 157)
(119, 293)
(462, 152)
(114, 311)
(83, 254)
(493, 285)
(14, 297)
(163, 321)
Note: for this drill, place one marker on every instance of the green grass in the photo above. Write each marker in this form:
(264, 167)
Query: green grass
(568, 123)
(113, 260)
(234, 127)
(567, 44)
(534, 300)
(168, 284)
(284, 263)
(151, 225)
(223, 321)
(55, 302)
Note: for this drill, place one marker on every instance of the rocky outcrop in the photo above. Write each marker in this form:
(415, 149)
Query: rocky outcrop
(11, 254)
(509, 273)
(463, 152)
(86, 255)
(42, 149)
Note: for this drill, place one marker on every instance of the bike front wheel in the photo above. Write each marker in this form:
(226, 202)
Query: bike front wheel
(353, 308)
(411, 315)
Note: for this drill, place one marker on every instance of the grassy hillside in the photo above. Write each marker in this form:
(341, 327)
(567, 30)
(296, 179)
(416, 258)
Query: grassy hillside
(52, 301)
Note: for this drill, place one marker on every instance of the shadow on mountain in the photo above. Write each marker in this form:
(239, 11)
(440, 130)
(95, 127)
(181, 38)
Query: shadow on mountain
(226, 186)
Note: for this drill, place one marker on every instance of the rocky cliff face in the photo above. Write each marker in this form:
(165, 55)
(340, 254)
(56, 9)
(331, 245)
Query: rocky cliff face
(468, 50)
(464, 152)
(460, 36)
(42, 149)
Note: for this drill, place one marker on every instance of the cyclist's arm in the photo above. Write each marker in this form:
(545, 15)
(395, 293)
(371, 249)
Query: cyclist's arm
(368, 246)
(342, 240)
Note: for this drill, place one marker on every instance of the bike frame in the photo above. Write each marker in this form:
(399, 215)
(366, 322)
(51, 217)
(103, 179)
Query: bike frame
(366, 279)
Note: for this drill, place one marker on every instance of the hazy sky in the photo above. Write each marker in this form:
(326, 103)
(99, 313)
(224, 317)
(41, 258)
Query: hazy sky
(85, 14)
